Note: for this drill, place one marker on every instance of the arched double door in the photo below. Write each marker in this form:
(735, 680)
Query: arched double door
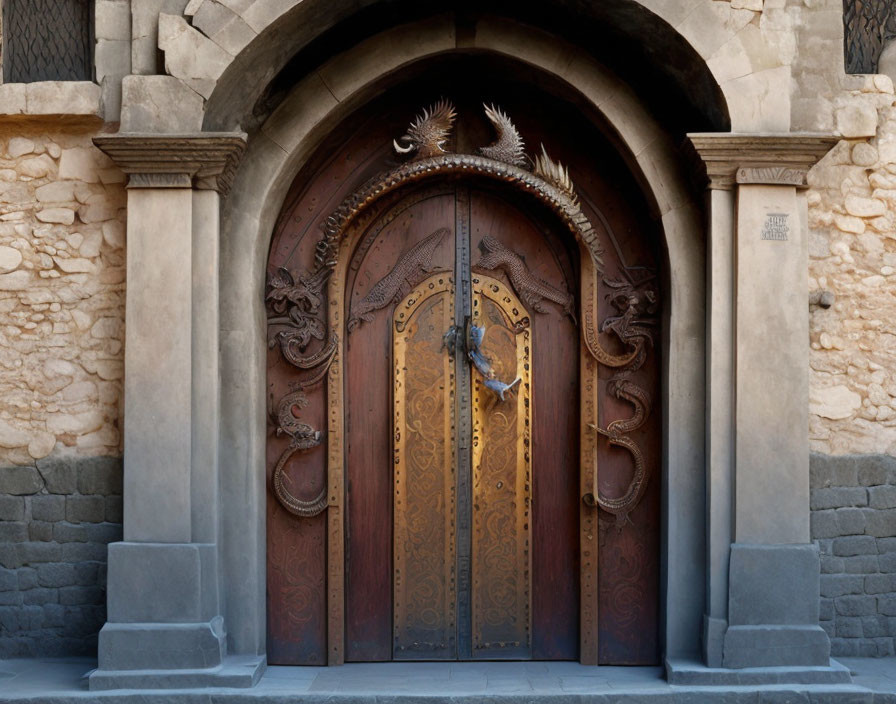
(453, 473)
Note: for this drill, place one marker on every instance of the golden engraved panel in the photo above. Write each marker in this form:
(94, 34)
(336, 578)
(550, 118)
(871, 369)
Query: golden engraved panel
(424, 575)
(502, 481)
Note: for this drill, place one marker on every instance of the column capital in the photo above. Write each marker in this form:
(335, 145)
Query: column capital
(725, 158)
(205, 160)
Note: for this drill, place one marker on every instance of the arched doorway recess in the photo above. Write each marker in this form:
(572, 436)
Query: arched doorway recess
(497, 557)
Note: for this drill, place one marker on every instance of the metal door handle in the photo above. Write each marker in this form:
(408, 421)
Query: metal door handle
(474, 336)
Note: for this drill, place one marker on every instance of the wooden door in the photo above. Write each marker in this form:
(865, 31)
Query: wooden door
(474, 496)
(466, 533)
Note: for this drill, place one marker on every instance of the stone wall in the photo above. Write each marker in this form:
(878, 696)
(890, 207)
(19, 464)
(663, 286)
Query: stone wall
(852, 248)
(853, 520)
(56, 519)
(62, 280)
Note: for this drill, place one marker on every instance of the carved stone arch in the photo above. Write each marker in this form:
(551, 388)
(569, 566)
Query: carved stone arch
(274, 156)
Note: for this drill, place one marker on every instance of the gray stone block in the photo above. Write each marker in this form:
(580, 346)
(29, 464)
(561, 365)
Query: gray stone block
(823, 524)
(882, 497)
(104, 532)
(855, 545)
(886, 545)
(12, 508)
(40, 530)
(13, 532)
(41, 595)
(113, 512)
(27, 577)
(153, 646)
(860, 564)
(776, 646)
(844, 647)
(20, 481)
(826, 609)
(101, 475)
(832, 470)
(55, 574)
(10, 556)
(90, 509)
(829, 627)
(832, 565)
(856, 605)
(880, 583)
(838, 497)
(880, 523)
(834, 585)
(848, 627)
(851, 521)
(73, 596)
(12, 598)
(48, 508)
(160, 583)
(60, 475)
(54, 616)
(84, 552)
(31, 553)
(874, 626)
(887, 562)
(885, 648)
(70, 532)
(88, 574)
(773, 584)
(8, 580)
(236, 671)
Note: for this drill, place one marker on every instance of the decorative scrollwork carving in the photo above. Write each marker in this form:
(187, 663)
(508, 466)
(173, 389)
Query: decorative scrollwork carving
(412, 267)
(296, 304)
(528, 287)
(302, 437)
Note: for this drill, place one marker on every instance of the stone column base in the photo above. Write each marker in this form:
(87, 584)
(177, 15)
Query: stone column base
(236, 671)
(773, 602)
(684, 672)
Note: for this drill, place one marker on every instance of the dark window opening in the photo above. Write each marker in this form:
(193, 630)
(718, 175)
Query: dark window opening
(867, 27)
(47, 40)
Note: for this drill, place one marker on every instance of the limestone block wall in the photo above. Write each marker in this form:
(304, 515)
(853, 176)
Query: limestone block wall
(852, 249)
(56, 519)
(853, 499)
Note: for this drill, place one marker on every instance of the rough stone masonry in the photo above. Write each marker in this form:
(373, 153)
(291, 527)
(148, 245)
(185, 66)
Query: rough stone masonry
(56, 519)
(853, 519)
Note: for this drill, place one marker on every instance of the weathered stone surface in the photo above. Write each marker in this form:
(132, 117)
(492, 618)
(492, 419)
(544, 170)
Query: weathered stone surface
(857, 120)
(10, 259)
(19, 146)
(63, 216)
(20, 481)
(834, 402)
(160, 104)
(189, 55)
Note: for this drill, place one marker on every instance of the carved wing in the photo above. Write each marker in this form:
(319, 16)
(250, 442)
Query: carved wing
(429, 132)
(556, 174)
(508, 147)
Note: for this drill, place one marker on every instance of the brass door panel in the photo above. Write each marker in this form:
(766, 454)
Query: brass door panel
(502, 482)
(424, 577)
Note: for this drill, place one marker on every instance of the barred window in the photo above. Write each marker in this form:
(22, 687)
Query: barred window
(867, 27)
(47, 40)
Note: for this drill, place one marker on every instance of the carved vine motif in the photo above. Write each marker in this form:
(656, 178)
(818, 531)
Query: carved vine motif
(302, 437)
(868, 25)
(529, 287)
(412, 267)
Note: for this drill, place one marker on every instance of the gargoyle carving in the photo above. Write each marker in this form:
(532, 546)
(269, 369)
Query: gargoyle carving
(428, 133)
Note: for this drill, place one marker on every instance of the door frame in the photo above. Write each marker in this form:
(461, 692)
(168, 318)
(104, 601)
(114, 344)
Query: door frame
(333, 254)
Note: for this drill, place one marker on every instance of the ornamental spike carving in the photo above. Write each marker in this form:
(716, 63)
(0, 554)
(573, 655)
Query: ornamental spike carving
(427, 135)
(509, 146)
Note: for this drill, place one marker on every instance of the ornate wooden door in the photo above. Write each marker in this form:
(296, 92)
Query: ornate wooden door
(491, 499)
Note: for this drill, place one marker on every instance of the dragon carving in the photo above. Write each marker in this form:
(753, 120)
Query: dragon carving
(410, 270)
(509, 146)
(427, 135)
(302, 437)
(528, 286)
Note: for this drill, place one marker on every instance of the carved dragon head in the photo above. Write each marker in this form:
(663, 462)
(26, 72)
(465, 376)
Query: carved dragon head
(428, 133)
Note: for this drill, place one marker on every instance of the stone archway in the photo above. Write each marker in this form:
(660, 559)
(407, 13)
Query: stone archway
(215, 558)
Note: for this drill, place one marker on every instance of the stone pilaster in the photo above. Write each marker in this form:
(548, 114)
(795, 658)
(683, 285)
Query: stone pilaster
(164, 623)
(762, 605)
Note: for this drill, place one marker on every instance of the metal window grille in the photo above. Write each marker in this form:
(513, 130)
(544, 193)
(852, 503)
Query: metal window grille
(47, 40)
(867, 27)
